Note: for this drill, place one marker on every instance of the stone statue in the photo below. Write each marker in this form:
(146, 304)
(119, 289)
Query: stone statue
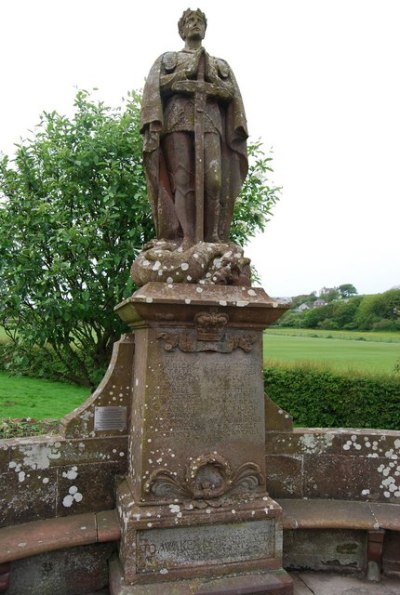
(195, 158)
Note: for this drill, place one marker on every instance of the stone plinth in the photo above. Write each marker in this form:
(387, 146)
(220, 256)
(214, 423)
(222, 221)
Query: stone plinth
(194, 502)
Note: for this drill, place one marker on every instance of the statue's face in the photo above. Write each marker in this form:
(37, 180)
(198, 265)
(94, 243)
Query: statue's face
(194, 27)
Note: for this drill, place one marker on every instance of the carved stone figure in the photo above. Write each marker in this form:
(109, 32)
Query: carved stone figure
(195, 159)
(195, 134)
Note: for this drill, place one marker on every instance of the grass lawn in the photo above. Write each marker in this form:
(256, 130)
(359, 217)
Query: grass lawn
(40, 399)
(340, 350)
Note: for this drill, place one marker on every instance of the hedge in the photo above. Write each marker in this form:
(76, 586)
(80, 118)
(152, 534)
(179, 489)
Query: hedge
(319, 397)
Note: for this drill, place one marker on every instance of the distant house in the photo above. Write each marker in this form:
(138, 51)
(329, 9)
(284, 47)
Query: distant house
(303, 307)
(319, 303)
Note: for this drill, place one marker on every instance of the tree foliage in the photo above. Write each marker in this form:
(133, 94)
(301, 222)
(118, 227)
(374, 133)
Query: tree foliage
(73, 215)
(360, 312)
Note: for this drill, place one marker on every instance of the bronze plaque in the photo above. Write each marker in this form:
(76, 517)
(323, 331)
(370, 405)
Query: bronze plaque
(110, 418)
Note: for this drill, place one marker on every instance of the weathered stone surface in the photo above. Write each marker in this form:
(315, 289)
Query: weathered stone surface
(108, 528)
(27, 495)
(186, 339)
(113, 391)
(94, 450)
(140, 524)
(275, 582)
(303, 441)
(172, 548)
(276, 419)
(327, 514)
(325, 550)
(164, 302)
(40, 473)
(29, 539)
(84, 488)
(73, 571)
(360, 478)
(386, 515)
(206, 263)
(284, 476)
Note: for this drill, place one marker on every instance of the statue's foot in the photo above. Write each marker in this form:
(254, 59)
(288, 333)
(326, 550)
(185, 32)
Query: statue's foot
(186, 244)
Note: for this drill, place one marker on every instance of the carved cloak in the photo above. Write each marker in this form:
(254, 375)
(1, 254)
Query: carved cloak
(234, 163)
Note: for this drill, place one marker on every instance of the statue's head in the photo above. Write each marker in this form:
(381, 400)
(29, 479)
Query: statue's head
(193, 23)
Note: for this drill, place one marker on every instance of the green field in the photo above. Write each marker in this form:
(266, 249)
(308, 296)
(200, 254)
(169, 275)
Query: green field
(36, 398)
(340, 350)
(22, 397)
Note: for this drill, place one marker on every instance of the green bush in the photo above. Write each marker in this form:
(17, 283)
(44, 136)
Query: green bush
(318, 397)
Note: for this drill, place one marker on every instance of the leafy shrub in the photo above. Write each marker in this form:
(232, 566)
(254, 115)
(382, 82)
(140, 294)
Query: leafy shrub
(18, 428)
(319, 397)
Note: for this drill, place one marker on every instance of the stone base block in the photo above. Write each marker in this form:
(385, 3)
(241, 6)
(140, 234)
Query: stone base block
(173, 542)
(272, 582)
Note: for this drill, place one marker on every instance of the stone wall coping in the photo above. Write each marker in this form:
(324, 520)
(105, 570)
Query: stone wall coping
(36, 537)
(339, 514)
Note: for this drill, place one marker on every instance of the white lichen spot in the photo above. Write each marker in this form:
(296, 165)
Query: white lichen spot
(365, 493)
(21, 476)
(223, 303)
(251, 292)
(45, 480)
(73, 496)
(149, 300)
(199, 289)
(311, 443)
(156, 265)
(163, 571)
(149, 524)
(187, 300)
(174, 508)
(184, 266)
(39, 456)
(68, 501)
(71, 473)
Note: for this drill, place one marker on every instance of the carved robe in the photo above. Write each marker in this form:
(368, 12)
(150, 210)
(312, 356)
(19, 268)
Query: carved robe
(165, 111)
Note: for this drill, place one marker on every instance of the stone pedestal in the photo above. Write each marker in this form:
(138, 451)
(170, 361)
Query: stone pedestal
(193, 506)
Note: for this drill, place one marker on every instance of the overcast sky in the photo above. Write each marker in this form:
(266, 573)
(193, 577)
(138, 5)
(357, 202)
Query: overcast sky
(321, 85)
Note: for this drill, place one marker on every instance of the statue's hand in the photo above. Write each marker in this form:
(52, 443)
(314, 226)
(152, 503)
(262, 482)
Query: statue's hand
(193, 64)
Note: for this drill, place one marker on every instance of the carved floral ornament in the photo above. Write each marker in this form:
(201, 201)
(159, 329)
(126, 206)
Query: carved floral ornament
(209, 476)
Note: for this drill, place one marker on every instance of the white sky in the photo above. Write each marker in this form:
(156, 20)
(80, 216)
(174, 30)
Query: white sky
(321, 85)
